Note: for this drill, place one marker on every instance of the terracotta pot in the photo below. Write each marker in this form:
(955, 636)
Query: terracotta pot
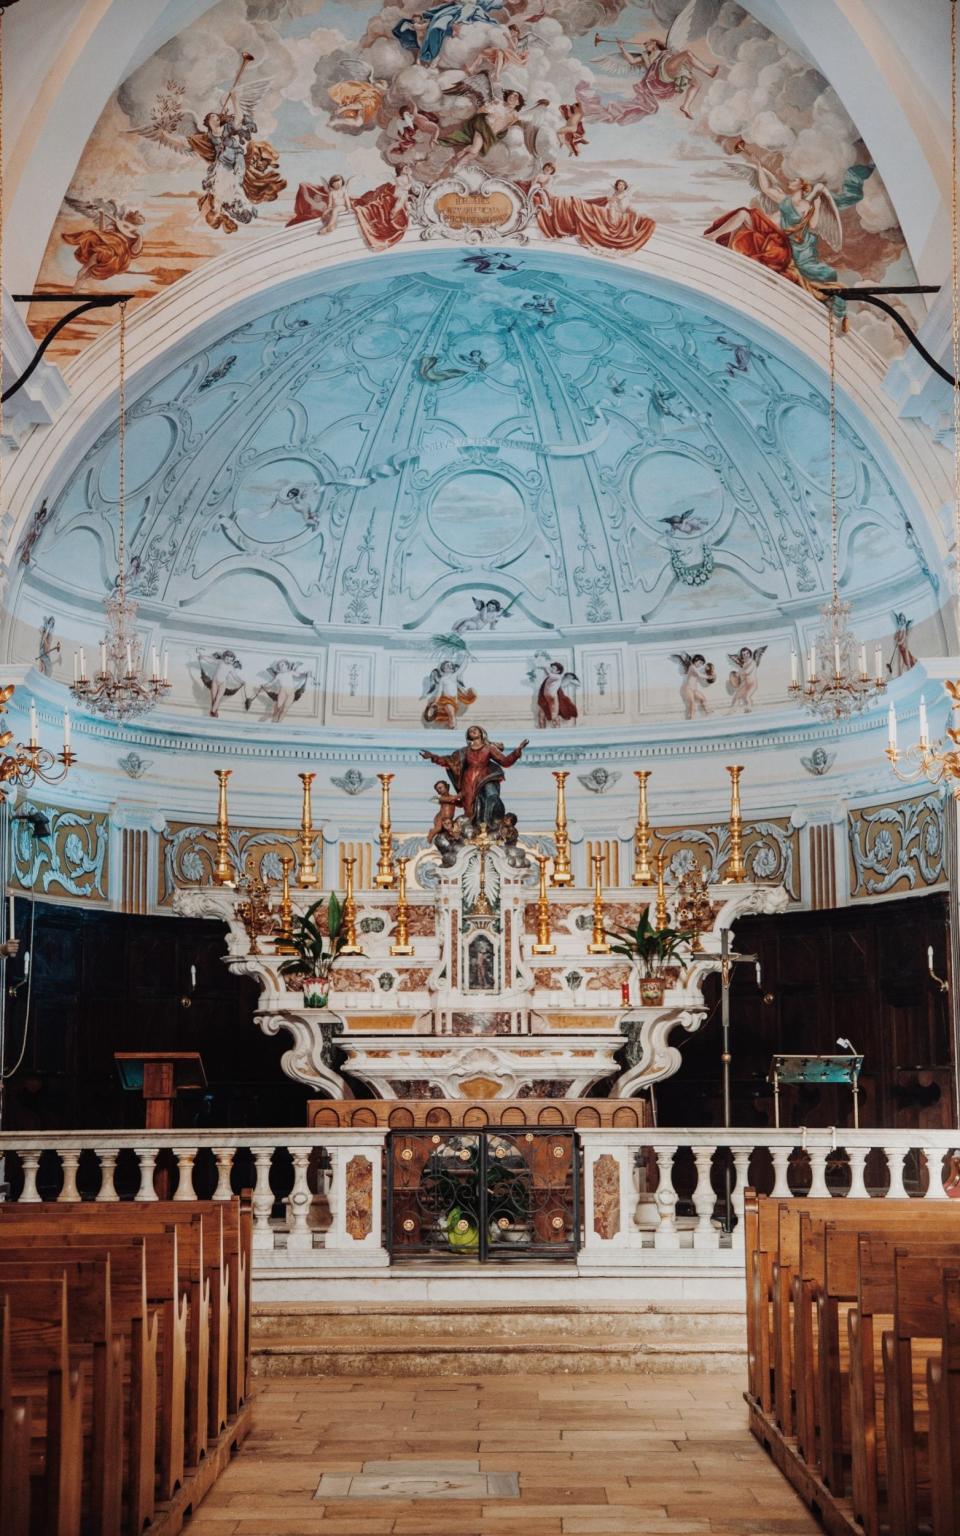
(652, 989)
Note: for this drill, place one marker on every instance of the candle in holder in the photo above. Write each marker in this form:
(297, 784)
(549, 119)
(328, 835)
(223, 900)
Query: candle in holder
(34, 738)
(891, 729)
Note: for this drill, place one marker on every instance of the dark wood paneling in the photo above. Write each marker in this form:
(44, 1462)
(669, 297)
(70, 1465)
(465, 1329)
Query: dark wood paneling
(105, 981)
(860, 972)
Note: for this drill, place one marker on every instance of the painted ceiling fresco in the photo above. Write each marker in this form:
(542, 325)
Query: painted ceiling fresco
(452, 444)
(605, 118)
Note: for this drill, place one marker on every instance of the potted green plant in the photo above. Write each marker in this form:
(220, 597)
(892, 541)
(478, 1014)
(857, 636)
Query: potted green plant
(316, 950)
(651, 950)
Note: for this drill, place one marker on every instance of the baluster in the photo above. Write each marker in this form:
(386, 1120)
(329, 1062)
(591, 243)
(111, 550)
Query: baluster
(147, 1156)
(69, 1194)
(858, 1162)
(31, 1162)
(262, 1199)
(108, 1169)
(781, 1163)
(818, 1173)
(333, 1191)
(185, 1189)
(704, 1235)
(224, 1157)
(895, 1156)
(300, 1237)
(935, 1189)
(741, 1165)
(666, 1235)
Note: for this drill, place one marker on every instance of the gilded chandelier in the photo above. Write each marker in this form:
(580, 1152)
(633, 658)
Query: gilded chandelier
(845, 687)
(120, 689)
(28, 763)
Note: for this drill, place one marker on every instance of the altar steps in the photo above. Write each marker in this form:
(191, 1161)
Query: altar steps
(410, 1339)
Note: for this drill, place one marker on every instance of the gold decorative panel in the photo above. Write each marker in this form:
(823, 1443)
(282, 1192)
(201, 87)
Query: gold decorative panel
(73, 861)
(188, 854)
(897, 848)
(771, 852)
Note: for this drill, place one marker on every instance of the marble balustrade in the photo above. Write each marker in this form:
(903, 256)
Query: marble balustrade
(650, 1197)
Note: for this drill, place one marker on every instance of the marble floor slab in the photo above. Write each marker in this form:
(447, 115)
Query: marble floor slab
(526, 1455)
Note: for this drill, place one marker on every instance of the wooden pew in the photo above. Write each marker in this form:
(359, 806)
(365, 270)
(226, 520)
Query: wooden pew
(14, 1437)
(92, 1325)
(943, 1391)
(40, 1359)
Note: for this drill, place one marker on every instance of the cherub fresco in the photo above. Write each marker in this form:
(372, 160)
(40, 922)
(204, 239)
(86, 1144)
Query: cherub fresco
(357, 101)
(487, 613)
(445, 690)
(556, 704)
(283, 682)
(604, 223)
(222, 673)
(744, 680)
(698, 674)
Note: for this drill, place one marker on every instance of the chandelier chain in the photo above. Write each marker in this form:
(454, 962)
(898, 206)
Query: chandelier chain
(955, 284)
(122, 462)
(834, 532)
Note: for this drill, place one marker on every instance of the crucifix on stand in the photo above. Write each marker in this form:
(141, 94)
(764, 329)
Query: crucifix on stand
(727, 962)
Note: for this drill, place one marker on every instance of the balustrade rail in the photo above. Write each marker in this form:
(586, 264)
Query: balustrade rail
(649, 1196)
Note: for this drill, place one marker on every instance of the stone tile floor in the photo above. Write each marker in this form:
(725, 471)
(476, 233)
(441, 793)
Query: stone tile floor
(606, 1455)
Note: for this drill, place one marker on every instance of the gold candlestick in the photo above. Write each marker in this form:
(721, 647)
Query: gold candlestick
(308, 878)
(402, 945)
(598, 944)
(642, 872)
(661, 918)
(284, 940)
(736, 869)
(223, 872)
(562, 873)
(544, 944)
(386, 874)
(350, 945)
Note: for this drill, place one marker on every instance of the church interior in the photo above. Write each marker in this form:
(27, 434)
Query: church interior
(479, 768)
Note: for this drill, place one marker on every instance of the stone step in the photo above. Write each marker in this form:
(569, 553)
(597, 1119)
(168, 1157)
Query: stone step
(432, 1355)
(627, 1323)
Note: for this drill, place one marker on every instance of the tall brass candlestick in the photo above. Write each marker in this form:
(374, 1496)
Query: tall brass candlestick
(308, 876)
(736, 869)
(386, 874)
(350, 945)
(562, 873)
(642, 871)
(544, 944)
(223, 873)
(598, 944)
(402, 946)
(284, 940)
(661, 918)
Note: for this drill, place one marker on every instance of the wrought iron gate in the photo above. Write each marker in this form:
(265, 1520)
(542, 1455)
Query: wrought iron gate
(484, 1194)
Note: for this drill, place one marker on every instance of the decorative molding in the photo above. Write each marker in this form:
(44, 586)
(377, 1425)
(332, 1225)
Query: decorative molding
(897, 848)
(73, 862)
(188, 856)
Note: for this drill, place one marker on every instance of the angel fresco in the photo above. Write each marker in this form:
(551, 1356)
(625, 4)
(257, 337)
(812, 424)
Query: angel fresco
(744, 680)
(382, 214)
(667, 69)
(425, 33)
(241, 170)
(108, 246)
(357, 101)
(788, 222)
(284, 682)
(488, 124)
(222, 673)
(324, 201)
(901, 657)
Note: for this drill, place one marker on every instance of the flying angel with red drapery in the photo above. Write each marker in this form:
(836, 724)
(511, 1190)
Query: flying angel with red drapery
(665, 68)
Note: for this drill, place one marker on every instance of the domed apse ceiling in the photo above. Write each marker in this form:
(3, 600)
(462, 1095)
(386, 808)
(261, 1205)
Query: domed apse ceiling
(489, 460)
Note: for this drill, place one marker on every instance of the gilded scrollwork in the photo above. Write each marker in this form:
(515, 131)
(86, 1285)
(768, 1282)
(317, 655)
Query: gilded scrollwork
(769, 852)
(188, 855)
(72, 861)
(896, 848)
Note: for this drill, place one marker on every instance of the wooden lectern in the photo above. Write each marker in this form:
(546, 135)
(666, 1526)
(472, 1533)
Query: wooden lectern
(160, 1076)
